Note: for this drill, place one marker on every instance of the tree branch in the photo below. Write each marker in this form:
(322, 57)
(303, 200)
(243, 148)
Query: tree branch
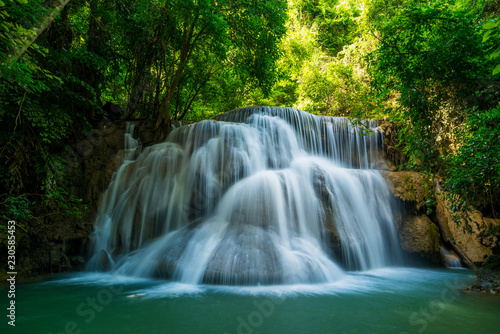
(38, 28)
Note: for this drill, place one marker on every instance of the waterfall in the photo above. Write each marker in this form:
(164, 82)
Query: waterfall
(131, 144)
(258, 195)
(450, 259)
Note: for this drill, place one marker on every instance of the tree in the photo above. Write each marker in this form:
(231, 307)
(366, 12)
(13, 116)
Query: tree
(38, 27)
(434, 59)
(176, 47)
(492, 33)
(428, 54)
(167, 59)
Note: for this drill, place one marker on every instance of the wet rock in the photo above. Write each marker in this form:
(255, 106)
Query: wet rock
(420, 236)
(328, 220)
(147, 133)
(449, 258)
(100, 160)
(166, 267)
(77, 260)
(103, 261)
(244, 259)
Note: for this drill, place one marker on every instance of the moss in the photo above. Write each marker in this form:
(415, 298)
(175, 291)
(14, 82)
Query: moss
(434, 236)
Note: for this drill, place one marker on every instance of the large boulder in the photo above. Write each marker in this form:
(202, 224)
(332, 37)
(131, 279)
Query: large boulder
(472, 237)
(408, 186)
(420, 235)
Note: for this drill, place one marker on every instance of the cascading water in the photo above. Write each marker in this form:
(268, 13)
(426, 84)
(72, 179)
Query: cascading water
(449, 258)
(259, 195)
(131, 145)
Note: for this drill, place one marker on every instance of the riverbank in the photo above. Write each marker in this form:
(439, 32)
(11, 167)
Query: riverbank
(488, 277)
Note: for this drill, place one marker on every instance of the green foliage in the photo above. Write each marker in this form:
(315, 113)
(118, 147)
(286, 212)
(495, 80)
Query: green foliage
(36, 119)
(491, 265)
(322, 68)
(17, 208)
(474, 170)
(179, 51)
(492, 35)
(430, 55)
(336, 22)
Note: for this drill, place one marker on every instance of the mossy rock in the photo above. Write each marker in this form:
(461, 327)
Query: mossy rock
(434, 235)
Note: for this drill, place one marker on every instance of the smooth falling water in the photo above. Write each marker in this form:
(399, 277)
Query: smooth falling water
(450, 259)
(259, 195)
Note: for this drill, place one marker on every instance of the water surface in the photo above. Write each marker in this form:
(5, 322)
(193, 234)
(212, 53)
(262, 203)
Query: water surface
(394, 300)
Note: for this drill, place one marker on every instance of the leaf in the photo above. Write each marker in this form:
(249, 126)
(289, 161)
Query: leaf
(490, 25)
(496, 70)
(495, 54)
(486, 36)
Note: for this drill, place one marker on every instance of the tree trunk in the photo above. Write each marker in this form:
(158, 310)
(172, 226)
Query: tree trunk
(38, 28)
(188, 42)
(164, 114)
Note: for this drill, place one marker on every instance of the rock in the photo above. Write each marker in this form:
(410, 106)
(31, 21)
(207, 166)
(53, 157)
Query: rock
(487, 284)
(77, 260)
(147, 133)
(326, 198)
(488, 278)
(253, 260)
(420, 235)
(487, 239)
(102, 161)
(103, 261)
(407, 186)
(393, 148)
(473, 242)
